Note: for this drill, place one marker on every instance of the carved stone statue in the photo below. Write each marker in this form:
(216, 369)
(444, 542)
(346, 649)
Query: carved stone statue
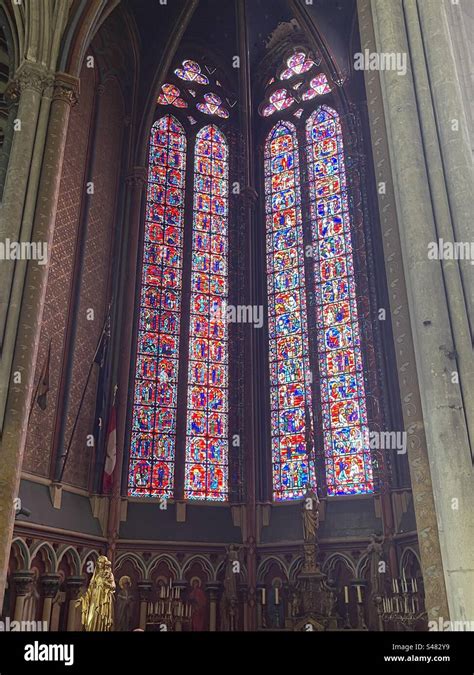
(97, 602)
(229, 600)
(123, 609)
(374, 554)
(310, 512)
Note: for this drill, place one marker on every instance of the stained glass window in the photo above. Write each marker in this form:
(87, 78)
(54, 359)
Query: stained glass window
(206, 471)
(171, 95)
(213, 106)
(191, 72)
(317, 87)
(279, 100)
(290, 394)
(296, 65)
(152, 451)
(344, 413)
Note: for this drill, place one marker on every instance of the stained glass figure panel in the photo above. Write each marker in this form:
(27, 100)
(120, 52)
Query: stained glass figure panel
(344, 410)
(206, 468)
(290, 394)
(153, 437)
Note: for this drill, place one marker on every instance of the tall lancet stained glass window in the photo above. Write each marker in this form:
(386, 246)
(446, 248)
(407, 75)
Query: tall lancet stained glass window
(344, 414)
(206, 473)
(153, 438)
(290, 394)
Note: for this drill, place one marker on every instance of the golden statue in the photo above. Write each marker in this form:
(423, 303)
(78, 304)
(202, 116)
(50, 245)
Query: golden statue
(97, 602)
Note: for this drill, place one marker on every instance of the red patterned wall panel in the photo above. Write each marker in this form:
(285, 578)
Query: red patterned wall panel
(95, 283)
(41, 426)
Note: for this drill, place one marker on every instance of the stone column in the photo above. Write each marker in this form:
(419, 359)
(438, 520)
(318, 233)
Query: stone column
(442, 404)
(13, 439)
(74, 586)
(49, 587)
(452, 129)
(144, 588)
(443, 213)
(22, 581)
(420, 472)
(212, 589)
(20, 191)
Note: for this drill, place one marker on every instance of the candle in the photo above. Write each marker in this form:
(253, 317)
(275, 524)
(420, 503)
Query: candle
(263, 596)
(346, 595)
(277, 595)
(359, 595)
(404, 582)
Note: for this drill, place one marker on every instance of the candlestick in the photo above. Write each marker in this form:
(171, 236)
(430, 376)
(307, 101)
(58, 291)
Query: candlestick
(346, 595)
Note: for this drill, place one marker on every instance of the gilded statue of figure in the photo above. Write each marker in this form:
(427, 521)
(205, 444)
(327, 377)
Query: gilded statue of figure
(310, 510)
(97, 602)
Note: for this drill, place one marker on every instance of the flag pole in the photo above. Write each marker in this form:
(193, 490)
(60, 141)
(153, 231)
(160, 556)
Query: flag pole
(41, 377)
(65, 456)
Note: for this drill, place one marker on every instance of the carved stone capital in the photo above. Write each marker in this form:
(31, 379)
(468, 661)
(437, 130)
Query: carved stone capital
(50, 584)
(22, 581)
(66, 88)
(30, 76)
(74, 586)
(12, 93)
(137, 177)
